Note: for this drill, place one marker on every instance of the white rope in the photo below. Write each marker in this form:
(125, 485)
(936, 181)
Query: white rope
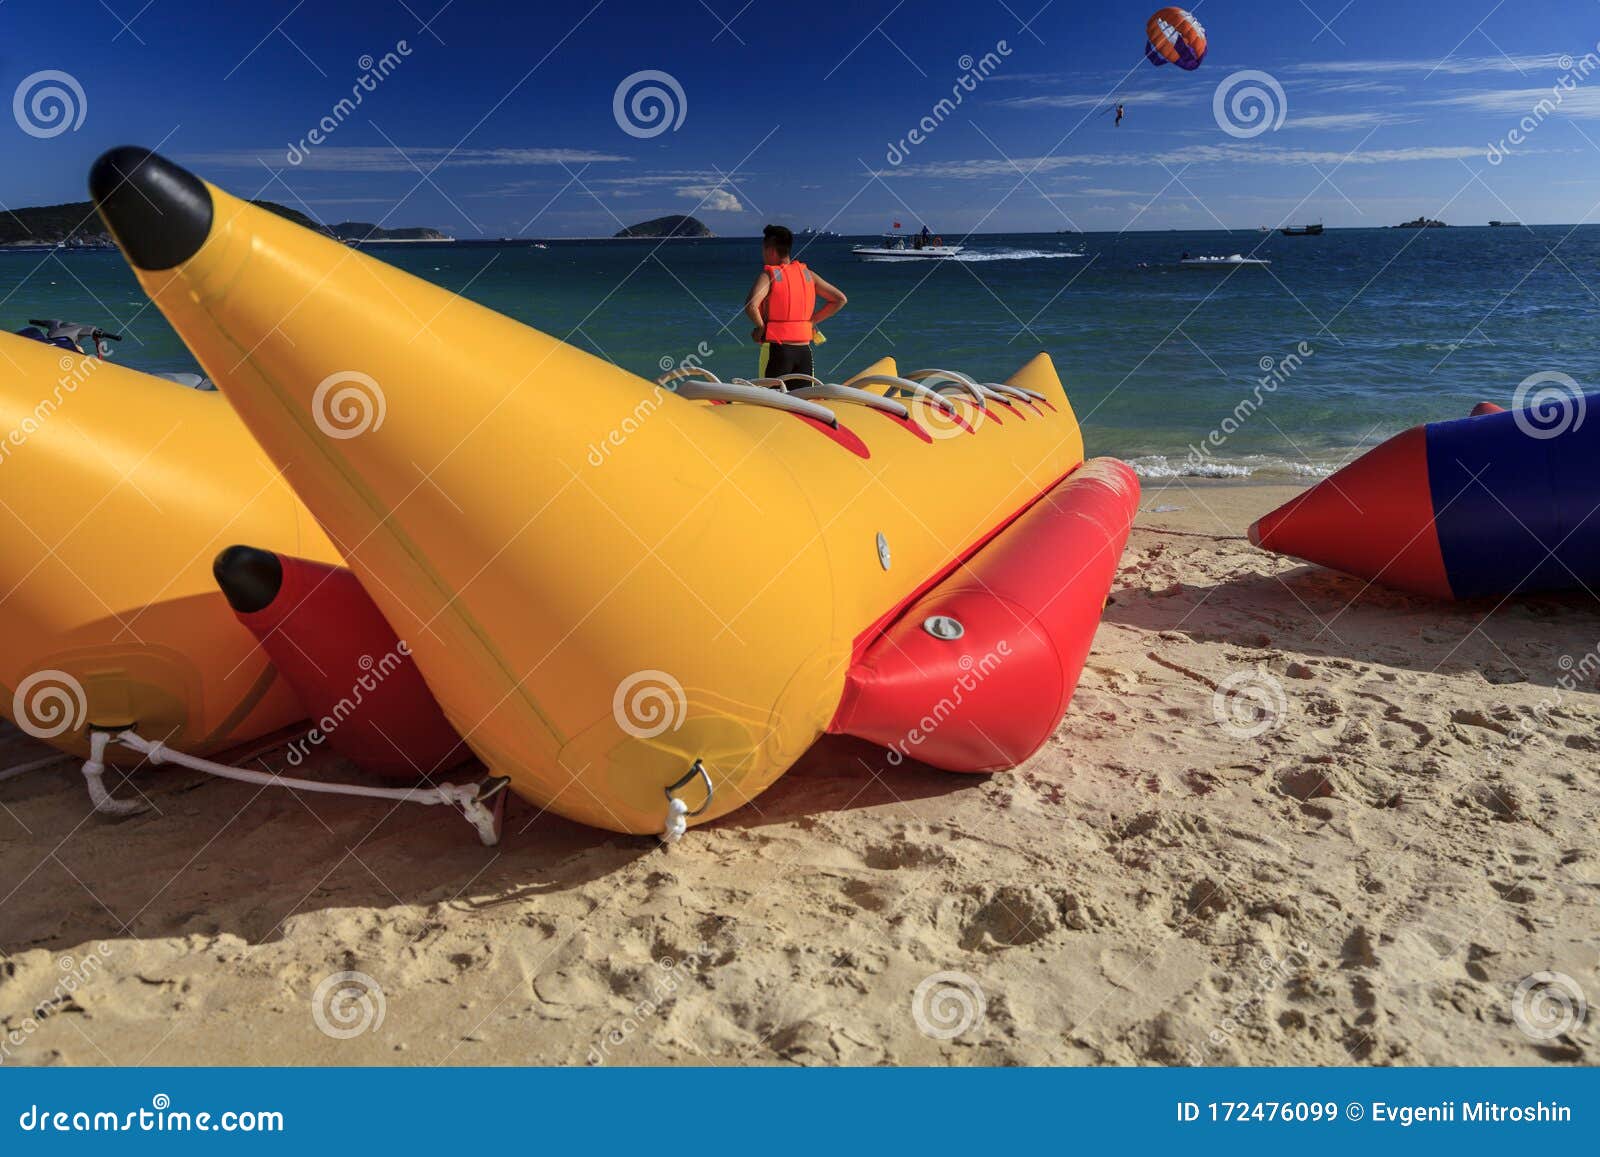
(33, 765)
(462, 797)
(94, 771)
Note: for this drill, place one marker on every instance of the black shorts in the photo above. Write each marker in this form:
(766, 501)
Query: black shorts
(786, 358)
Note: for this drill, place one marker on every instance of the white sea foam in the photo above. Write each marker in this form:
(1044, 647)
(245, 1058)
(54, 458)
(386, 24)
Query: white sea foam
(1011, 255)
(1160, 466)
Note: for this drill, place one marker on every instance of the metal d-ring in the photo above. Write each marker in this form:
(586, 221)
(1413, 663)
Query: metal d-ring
(492, 786)
(699, 769)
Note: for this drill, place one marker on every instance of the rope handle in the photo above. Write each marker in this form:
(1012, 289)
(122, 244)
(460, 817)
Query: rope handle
(482, 805)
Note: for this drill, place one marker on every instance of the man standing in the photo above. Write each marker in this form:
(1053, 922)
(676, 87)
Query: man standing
(783, 306)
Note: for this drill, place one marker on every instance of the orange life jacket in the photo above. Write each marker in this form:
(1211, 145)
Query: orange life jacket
(790, 302)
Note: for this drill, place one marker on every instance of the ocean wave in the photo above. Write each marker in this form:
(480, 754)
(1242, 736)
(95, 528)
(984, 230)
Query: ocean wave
(1012, 255)
(1160, 466)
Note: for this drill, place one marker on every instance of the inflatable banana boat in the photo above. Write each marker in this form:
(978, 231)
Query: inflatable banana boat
(642, 602)
(1502, 502)
(116, 489)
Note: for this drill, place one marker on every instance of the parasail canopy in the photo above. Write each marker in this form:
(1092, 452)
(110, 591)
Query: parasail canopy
(1175, 37)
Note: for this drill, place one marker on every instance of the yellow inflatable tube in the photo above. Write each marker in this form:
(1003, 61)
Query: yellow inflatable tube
(605, 583)
(116, 490)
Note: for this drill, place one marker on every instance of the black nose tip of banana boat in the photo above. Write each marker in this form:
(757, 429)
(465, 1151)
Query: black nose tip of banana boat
(250, 578)
(160, 213)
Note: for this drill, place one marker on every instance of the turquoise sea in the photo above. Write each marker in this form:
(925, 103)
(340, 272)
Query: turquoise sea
(1387, 327)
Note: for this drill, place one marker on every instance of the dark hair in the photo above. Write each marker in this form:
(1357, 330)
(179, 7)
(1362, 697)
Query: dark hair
(779, 238)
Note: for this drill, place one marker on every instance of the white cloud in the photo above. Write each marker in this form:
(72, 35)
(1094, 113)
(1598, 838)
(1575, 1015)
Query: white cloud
(989, 167)
(349, 200)
(374, 159)
(1100, 99)
(712, 200)
(1455, 65)
(1342, 86)
(709, 178)
(1344, 120)
(1541, 102)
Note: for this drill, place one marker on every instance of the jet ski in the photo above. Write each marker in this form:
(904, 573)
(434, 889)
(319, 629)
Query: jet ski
(92, 341)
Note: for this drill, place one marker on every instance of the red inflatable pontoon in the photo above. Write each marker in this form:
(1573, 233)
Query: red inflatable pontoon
(976, 674)
(357, 681)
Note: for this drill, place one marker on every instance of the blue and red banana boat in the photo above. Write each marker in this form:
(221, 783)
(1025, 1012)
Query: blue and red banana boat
(1504, 502)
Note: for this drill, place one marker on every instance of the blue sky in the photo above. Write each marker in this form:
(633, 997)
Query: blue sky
(498, 119)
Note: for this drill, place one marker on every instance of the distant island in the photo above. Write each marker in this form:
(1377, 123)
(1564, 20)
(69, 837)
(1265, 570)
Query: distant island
(361, 231)
(78, 226)
(672, 225)
(1421, 223)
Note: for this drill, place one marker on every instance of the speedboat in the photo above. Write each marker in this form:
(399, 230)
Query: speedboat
(899, 247)
(1231, 260)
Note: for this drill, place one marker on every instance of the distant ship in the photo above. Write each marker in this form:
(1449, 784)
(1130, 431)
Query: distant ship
(1504, 224)
(1307, 231)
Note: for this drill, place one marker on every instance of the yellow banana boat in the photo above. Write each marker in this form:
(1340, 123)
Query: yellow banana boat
(116, 490)
(641, 603)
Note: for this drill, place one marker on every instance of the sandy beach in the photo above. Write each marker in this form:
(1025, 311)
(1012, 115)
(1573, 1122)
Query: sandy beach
(1288, 820)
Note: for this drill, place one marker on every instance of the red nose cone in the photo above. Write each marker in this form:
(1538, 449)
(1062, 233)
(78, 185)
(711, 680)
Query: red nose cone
(1483, 408)
(1373, 519)
(357, 681)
